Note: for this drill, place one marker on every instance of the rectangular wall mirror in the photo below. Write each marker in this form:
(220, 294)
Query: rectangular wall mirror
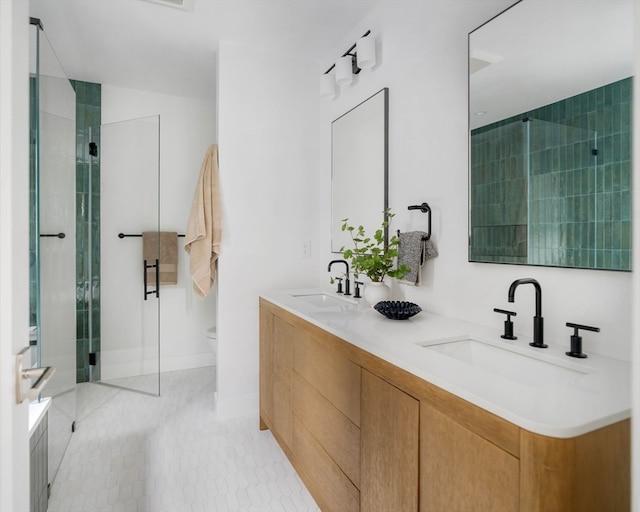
(550, 135)
(359, 168)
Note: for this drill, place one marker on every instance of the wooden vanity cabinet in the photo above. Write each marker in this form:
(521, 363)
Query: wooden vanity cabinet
(366, 435)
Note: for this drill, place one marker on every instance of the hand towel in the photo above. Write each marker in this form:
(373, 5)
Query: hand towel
(204, 229)
(413, 251)
(162, 246)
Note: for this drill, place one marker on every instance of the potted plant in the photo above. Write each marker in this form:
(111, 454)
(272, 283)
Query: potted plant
(371, 257)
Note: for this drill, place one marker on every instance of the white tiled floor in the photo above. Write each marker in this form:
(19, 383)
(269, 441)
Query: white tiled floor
(133, 452)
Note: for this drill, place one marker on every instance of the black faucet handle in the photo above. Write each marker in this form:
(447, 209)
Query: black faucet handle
(339, 279)
(583, 327)
(357, 290)
(576, 339)
(505, 312)
(508, 324)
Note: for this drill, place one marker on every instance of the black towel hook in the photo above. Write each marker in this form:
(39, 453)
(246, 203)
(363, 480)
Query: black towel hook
(424, 208)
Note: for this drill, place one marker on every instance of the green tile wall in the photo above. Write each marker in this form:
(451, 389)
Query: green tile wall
(582, 216)
(88, 120)
(498, 211)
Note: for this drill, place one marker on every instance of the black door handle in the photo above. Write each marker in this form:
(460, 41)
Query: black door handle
(144, 270)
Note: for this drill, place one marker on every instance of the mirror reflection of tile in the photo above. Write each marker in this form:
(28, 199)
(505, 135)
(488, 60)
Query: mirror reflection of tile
(570, 163)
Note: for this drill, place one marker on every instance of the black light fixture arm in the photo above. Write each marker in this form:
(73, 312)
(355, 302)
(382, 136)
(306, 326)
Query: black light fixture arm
(356, 69)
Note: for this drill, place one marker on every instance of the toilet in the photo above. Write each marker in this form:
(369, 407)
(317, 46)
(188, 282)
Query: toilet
(212, 339)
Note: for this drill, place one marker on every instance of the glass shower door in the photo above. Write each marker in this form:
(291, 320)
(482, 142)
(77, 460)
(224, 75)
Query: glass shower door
(52, 238)
(130, 302)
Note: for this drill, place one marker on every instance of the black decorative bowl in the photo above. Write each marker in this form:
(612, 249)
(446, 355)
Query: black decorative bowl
(397, 310)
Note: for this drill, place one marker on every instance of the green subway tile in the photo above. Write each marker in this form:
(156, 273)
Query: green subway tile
(81, 210)
(88, 119)
(616, 177)
(80, 327)
(616, 232)
(95, 327)
(608, 235)
(625, 205)
(625, 260)
(608, 96)
(625, 146)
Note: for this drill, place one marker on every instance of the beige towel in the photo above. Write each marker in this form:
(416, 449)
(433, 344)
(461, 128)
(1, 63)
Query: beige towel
(162, 246)
(204, 230)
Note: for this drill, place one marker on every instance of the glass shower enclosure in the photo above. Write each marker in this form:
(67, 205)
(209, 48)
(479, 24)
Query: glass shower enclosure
(52, 242)
(100, 271)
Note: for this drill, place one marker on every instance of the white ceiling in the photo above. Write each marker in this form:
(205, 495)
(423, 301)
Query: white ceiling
(149, 46)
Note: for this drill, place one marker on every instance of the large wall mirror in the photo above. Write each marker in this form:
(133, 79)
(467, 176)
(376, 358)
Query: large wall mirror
(359, 168)
(550, 142)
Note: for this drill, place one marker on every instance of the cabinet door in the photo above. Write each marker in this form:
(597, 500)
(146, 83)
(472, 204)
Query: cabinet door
(276, 366)
(461, 471)
(389, 427)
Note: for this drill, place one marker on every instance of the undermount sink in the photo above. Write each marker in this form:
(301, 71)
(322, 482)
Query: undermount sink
(513, 363)
(322, 300)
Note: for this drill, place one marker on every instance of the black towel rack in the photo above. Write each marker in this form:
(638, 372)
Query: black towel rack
(122, 235)
(424, 208)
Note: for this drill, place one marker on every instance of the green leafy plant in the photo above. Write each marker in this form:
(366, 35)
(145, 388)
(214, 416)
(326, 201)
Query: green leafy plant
(370, 256)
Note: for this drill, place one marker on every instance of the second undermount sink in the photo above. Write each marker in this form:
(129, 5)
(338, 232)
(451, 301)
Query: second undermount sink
(322, 300)
(521, 365)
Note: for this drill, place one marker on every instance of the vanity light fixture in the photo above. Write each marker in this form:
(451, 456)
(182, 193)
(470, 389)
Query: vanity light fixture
(344, 70)
(351, 63)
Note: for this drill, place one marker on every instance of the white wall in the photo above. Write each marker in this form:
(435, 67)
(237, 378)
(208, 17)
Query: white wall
(423, 47)
(14, 249)
(268, 135)
(187, 128)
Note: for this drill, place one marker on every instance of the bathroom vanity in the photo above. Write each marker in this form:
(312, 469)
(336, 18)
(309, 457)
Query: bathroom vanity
(39, 454)
(377, 414)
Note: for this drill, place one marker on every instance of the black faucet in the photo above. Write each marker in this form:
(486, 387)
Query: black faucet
(538, 321)
(347, 291)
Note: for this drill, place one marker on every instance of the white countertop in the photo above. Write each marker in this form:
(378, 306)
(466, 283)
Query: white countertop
(37, 408)
(595, 394)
